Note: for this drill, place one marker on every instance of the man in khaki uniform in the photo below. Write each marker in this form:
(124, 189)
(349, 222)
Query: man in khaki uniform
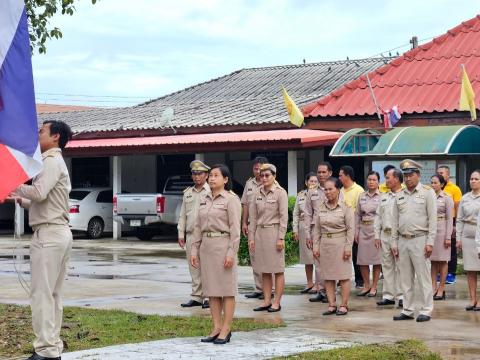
(314, 199)
(192, 197)
(251, 187)
(414, 227)
(47, 201)
(383, 237)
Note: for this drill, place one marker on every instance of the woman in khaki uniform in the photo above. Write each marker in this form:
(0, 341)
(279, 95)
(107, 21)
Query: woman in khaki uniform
(332, 243)
(299, 234)
(266, 235)
(468, 212)
(369, 252)
(214, 250)
(441, 248)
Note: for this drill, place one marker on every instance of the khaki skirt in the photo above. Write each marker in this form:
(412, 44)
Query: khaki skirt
(471, 262)
(267, 257)
(306, 254)
(332, 265)
(440, 253)
(368, 254)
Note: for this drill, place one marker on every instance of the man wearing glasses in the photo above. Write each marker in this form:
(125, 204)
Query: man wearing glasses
(186, 222)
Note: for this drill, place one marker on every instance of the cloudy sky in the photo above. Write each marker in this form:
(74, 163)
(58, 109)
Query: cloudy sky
(122, 52)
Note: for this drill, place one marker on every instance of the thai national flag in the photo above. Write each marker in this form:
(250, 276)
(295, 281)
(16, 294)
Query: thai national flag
(20, 157)
(391, 117)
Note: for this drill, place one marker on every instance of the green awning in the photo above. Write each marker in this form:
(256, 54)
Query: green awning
(409, 141)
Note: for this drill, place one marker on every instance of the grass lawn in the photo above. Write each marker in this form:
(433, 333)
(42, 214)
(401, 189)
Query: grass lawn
(402, 350)
(85, 328)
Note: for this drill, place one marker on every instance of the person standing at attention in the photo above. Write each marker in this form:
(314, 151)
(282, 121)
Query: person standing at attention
(192, 196)
(350, 193)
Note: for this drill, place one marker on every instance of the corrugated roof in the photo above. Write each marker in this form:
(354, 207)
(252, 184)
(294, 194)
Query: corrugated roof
(54, 108)
(423, 80)
(244, 97)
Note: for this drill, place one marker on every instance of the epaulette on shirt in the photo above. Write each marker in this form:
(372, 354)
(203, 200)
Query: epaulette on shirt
(233, 193)
(426, 187)
(186, 188)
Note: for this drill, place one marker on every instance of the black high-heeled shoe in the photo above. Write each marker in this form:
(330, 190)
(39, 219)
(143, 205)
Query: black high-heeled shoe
(209, 339)
(219, 341)
(436, 297)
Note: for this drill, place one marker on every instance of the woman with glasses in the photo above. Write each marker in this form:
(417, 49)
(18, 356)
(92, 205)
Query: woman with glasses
(215, 244)
(299, 233)
(332, 245)
(266, 235)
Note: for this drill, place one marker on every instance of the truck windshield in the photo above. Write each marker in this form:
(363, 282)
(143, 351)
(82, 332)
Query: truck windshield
(177, 185)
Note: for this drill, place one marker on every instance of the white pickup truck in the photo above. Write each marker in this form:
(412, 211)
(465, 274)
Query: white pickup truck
(146, 213)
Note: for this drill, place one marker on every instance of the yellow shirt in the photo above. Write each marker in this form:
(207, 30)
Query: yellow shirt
(454, 191)
(351, 195)
(384, 188)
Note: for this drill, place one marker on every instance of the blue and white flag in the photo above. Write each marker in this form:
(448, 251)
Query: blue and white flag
(20, 157)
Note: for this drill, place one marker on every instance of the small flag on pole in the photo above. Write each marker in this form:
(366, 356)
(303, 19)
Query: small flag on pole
(391, 117)
(296, 115)
(467, 96)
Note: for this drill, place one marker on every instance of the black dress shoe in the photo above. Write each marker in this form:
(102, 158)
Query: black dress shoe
(436, 297)
(206, 305)
(271, 309)
(364, 293)
(254, 295)
(321, 297)
(330, 312)
(402, 316)
(470, 307)
(306, 290)
(219, 341)
(385, 302)
(262, 308)
(422, 318)
(35, 356)
(209, 339)
(191, 303)
(400, 303)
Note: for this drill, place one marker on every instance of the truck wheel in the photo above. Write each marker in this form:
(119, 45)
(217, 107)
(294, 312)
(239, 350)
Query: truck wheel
(144, 234)
(95, 228)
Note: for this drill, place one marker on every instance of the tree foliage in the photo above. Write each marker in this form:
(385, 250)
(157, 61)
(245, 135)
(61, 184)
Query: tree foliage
(39, 13)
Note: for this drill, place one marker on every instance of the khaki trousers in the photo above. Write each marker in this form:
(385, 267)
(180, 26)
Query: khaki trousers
(391, 275)
(257, 276)
(412, 262)
(194, 272)
(49, 254)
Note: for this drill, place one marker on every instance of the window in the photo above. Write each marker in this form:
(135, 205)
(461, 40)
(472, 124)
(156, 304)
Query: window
(105, 196)
(79, 194)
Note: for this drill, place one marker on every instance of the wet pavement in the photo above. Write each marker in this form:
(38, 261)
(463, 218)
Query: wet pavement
(152, 278)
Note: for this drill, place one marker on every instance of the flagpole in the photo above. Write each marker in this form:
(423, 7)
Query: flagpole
(374, 99)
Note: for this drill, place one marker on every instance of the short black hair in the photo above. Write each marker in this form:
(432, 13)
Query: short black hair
(388, 168)
(260, 160)
(62, 129)
(309, 175)
(398, 174)
(374, 173)
(348, 170)
(325, 163)
(444, 167)
(225, 171)
(336, 182)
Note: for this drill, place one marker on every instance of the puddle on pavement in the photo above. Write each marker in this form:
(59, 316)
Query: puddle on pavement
(16, 257)
(289, 290)
(465, 350)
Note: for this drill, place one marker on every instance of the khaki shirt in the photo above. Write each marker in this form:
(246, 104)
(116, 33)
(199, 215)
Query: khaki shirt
(189, 209)
(383, 216)
(47, 197)
(415, 212)
(468, 211)
(219, 214)
(334, 220)
(445, 212)
(269, 208)
(298, 214)
(366, 208)
(251, 186)
(314, 198)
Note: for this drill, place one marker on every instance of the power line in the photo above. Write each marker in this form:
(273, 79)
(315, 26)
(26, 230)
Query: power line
(94, 96)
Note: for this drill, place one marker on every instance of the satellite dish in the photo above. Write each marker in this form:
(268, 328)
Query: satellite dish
(166, 119)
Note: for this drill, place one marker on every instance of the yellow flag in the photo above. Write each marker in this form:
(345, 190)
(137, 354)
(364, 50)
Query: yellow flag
(467, 96)
(296, 116)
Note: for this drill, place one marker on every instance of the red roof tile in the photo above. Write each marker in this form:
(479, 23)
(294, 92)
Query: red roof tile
(51, 108)
(425, 79)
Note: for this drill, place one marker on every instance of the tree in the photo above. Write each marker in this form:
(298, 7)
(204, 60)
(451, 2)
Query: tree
(39, 13)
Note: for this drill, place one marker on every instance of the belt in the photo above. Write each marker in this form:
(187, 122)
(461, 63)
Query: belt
(408, 236)
(38, 226)
(215, 234)
(387, 230)
(264, 226)
(367, 222)
(441, 218)
(470, 222)
(334, 235)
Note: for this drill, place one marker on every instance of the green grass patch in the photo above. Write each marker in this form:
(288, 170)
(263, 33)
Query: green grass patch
(92, 328)
(402, 350)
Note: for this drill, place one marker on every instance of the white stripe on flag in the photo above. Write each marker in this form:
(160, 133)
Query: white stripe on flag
(31, 165)
(10, 13)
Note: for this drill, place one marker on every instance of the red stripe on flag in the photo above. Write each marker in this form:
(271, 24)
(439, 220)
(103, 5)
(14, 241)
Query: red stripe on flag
(11, 173)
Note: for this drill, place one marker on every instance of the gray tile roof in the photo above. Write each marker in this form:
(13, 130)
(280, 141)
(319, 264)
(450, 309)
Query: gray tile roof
(244, 97)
